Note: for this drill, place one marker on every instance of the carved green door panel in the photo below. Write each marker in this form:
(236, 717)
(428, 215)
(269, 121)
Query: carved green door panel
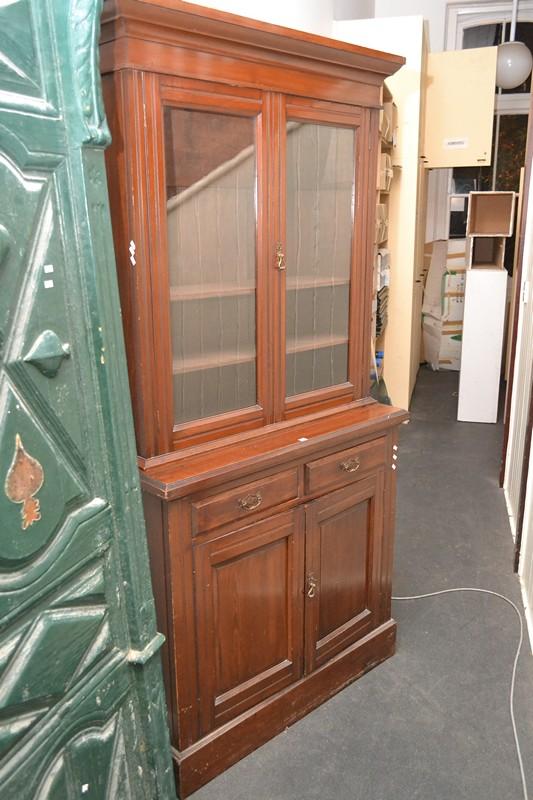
(82, 710)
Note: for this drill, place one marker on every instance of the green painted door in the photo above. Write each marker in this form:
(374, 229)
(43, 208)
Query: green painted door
(82, 712)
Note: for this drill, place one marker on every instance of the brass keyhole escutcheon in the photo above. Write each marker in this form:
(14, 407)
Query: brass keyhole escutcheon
(312, 584)
(280, 257)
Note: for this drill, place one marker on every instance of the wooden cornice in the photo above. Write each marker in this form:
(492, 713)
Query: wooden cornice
(173, 23)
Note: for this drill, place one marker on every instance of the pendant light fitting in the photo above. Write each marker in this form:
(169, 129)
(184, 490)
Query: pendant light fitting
(514, 59)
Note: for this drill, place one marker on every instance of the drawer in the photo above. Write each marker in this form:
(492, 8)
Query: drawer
(345, 466)
(243, 501)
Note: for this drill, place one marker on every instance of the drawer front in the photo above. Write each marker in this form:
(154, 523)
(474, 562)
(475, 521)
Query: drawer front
(243, 501)
(345, 466)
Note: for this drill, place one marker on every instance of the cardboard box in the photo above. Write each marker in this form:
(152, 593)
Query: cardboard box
(442, 343)
(451, 346)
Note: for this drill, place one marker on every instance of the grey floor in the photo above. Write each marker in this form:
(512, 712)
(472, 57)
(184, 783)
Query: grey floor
(433, 721)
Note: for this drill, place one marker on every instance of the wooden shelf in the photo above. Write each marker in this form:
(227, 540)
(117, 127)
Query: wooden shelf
(204, 291)
(307, 343)
(210, 361)
(207, 290)
(295, 284)
(229, 358)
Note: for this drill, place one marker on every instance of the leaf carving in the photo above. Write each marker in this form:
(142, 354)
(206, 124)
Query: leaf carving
(23, 480)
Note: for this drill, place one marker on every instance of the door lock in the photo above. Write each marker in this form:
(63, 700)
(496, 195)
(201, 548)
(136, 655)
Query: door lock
(312, 584)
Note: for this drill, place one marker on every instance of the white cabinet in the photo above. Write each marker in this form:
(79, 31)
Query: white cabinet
(481, 354)
(460, 90)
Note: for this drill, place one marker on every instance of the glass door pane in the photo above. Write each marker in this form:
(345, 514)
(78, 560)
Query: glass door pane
(211, 220)
(320, 193)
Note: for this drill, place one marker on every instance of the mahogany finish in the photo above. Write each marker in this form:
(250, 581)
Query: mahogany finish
(270, 524)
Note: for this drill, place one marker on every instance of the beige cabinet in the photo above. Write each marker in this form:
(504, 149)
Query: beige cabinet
(460, 92)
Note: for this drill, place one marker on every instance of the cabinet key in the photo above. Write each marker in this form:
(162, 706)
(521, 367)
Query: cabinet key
(351, 465)
(312, 583)
(250, 502)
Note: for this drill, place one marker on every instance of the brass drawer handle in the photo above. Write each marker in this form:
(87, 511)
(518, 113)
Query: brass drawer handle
(312, 584)
(250, 502)
(351, 465)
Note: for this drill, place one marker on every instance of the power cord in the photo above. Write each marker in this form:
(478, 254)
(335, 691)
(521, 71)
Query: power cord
(515, 664)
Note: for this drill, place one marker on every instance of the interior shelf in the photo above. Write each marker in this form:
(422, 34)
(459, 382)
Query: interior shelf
(306, 343)
(309, 282)
(208, 290)
(211, 361)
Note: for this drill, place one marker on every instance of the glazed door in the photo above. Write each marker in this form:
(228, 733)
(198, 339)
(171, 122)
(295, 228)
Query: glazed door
(344, 533)
(212, 253)
(325, 264)
(249, 589)
(81, 703)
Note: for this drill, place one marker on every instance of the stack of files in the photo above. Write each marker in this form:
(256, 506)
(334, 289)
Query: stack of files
(383, 268)
(381, 314)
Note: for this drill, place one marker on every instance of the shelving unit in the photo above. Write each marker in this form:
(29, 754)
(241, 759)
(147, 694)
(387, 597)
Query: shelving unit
(385, 175)
(489, 223)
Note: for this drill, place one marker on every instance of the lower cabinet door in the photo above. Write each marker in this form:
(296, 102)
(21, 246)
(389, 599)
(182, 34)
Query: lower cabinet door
(344, 532)
(249, 606)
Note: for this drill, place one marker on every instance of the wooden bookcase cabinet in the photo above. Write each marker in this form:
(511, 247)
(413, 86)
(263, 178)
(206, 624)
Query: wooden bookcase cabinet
(242, 181)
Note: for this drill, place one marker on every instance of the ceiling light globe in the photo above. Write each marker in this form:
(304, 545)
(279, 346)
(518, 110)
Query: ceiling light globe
(513, 65)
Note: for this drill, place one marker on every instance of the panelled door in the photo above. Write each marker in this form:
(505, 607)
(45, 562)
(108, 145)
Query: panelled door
(249, 590)
(344, 532)
(81, 704)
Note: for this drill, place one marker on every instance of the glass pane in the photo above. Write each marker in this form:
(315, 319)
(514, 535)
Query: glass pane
(511, 151)
(211, 217)
(482, 36)
(320, 213)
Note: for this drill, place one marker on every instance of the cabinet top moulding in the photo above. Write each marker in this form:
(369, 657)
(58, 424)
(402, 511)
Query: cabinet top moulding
(168, 37)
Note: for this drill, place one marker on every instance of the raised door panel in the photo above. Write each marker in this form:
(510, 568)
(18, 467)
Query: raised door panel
(343, 557)
(249, 590)
(459, 113)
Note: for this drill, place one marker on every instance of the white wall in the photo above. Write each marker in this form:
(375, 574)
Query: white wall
(523, 372)
(354, 9)
(433, 11)
(526, 555)
(314, 16)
